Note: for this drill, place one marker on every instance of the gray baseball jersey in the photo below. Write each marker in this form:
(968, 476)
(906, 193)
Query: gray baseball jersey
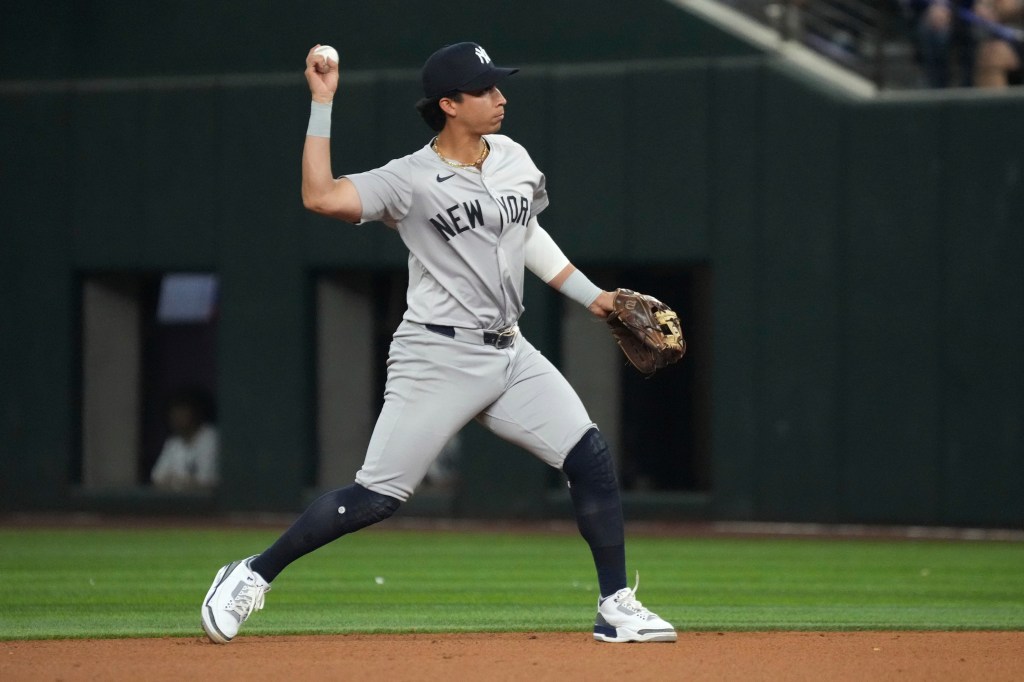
(465, 230)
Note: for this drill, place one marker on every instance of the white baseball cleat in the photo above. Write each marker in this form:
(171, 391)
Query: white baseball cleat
(236, 592)
(621, 618)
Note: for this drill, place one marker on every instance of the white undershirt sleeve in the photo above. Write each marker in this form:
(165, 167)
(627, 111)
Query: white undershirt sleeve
(543, 257)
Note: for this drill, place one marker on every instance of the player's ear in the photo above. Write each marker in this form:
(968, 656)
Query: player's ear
(447, 105)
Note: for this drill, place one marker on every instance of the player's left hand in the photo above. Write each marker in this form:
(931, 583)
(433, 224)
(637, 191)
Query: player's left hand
(603, 304)
(647, 331)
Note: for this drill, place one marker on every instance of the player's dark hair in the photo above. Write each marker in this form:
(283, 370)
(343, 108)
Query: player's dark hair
(430, 110)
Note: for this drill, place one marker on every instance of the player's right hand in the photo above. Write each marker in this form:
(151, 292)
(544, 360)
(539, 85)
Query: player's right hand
(322, 76)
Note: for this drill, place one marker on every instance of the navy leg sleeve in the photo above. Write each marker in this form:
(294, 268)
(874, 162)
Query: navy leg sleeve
(332, 515)
(595, 499)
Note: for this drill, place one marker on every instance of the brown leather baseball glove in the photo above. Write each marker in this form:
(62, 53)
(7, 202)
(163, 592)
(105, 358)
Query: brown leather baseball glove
(647, 330)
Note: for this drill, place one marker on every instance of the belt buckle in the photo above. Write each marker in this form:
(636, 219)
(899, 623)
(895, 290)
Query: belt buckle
(506, 337)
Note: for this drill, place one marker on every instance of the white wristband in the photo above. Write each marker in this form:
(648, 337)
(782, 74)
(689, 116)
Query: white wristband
(580, 289)
(319, 120)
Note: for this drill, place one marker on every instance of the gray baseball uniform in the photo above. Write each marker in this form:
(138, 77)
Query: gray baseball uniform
(457, 355)
(465, 230)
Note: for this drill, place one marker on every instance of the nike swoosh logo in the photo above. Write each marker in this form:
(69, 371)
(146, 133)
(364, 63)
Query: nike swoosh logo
(447, 177)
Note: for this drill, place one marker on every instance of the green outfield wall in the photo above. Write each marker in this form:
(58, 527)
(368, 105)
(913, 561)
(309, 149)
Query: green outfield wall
(867, 296)
(113, 38)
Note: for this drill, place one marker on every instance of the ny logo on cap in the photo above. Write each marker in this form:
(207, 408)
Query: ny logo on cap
(482, 54)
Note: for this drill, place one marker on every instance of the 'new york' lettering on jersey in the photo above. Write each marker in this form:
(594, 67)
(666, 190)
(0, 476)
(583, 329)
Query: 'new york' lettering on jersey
(457, 223)
(459, 218)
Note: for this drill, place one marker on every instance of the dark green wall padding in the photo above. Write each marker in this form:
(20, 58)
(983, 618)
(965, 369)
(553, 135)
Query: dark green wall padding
(113, 38)
(866, 259)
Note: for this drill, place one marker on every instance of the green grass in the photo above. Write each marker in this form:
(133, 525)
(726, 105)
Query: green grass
(114, 583)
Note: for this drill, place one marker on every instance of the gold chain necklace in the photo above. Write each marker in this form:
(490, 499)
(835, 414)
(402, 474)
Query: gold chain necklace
(458, 164)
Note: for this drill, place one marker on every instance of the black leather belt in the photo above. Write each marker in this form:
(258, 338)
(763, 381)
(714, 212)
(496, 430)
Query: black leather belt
(502, 339)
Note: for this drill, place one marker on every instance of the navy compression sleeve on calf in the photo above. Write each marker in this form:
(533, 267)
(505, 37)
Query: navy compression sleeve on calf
(595, 499)
(332, 515)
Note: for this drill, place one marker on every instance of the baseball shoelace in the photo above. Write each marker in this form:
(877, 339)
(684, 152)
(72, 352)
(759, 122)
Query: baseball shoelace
(629, 600)
(250, 598)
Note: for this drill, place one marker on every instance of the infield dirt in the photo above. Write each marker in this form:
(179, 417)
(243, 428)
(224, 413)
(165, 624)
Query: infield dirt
(818, 656)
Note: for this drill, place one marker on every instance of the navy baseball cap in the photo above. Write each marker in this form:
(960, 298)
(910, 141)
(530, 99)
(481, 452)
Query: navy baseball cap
(462, 67)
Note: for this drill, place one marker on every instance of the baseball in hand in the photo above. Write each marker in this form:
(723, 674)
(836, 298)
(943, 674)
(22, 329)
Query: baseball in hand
(328, 53)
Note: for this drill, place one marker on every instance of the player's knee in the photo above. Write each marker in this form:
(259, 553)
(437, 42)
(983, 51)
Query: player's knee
(383, 506)
(359, 507)
(379, 506)
(595, 491)
(590, 463)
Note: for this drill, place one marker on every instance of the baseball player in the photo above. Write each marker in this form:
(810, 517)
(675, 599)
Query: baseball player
(466, 207)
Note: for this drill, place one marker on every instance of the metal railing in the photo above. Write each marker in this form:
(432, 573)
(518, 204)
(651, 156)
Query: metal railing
(852, 33)
(873, 38)
(860, 35)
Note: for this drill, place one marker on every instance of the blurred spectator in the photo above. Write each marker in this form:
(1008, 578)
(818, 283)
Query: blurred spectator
(188, 460)
(945, 41)
(1000, 49)
(444, 470)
